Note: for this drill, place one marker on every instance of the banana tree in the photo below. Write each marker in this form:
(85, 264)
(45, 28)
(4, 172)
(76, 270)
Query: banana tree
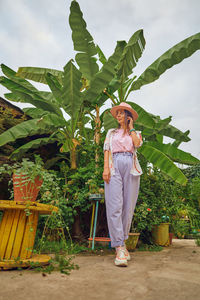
(114, 75)
(47, 115)
(102, 83)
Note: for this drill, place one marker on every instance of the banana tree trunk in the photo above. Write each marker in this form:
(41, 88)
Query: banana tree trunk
(76, 227)
(73, 159)
(97, 135)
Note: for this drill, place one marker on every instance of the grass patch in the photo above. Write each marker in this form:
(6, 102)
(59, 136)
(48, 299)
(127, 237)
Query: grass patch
(146, 247)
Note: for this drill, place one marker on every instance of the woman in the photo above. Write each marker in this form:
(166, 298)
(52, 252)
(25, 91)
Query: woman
(121, 177)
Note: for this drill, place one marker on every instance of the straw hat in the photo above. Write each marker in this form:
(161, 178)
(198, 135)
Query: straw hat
(124, 105)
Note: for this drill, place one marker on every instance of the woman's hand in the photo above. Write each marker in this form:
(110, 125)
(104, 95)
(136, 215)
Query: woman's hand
(130, 123)
(106, 175)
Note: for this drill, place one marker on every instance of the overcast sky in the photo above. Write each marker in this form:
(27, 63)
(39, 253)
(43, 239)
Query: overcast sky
(37, 33)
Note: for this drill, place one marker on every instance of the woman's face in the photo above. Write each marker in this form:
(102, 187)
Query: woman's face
(120, 116)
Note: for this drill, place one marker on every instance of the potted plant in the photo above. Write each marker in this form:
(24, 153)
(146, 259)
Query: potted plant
(26, 177)
(160, 232)
(140, 221)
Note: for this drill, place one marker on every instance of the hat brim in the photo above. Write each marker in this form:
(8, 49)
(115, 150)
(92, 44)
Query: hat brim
(114, 109)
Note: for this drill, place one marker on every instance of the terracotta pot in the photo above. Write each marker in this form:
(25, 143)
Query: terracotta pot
(132, 240)
(24, 189)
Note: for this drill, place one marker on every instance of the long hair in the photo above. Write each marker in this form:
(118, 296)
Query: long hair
(127, 114)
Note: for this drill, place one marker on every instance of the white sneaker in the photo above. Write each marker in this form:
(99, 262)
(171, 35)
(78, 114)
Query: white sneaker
(120, 259)
(128, 257)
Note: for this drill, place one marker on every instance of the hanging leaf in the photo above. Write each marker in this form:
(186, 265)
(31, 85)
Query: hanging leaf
(161, 161)
(108, 121)
(71, 95)
(55, 87)
(132, 52)
(175, 154)
(83, 42)
(27, 96)
(105, 75)
(144, 119)
(102, 57)
(173, 56)
(38, 74)
(34, 112)
(51, 121)
(175, 133)
(19, 152)
(24, 129)
(22, 82)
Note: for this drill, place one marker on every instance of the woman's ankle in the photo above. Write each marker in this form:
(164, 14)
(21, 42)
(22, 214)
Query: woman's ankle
(119, 247)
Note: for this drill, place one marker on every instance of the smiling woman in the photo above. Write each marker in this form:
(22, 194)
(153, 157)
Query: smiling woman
(122, 178)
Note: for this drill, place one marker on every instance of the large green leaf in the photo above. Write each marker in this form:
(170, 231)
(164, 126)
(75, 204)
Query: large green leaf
(55, 87)
(48, 96)
(132, 52)
(144, 119)
(173, 56)
(105, 75)
(108, 120)
(175, 154)
(52, 122)
(161, 161)
(101, 55)
(34, 112)
(83, 42)
(21, 130)
(19, 152)
(71, 94)
(38, 74)
(22, 82)
(163, 128)
(175, 133)
(27, 96)
(12, 97)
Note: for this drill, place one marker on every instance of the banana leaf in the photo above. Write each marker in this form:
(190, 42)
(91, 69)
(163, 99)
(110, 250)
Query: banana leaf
(19, 152)
(83, 42)
(48, 96)
(173, 56)
(108, 121)
(38, 74)
(27, 96)
(161, 161)
(101, 55)
(24, 129)
(175, 133)
(132, 52)
(55, 87)
(144, 119)
(52, 122)
(105, 75)
(11, 74)
(175, 154)
(34, 112)
(71, 95)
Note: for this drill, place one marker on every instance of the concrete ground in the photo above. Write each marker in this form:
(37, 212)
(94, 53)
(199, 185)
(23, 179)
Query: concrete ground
(173, 273)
